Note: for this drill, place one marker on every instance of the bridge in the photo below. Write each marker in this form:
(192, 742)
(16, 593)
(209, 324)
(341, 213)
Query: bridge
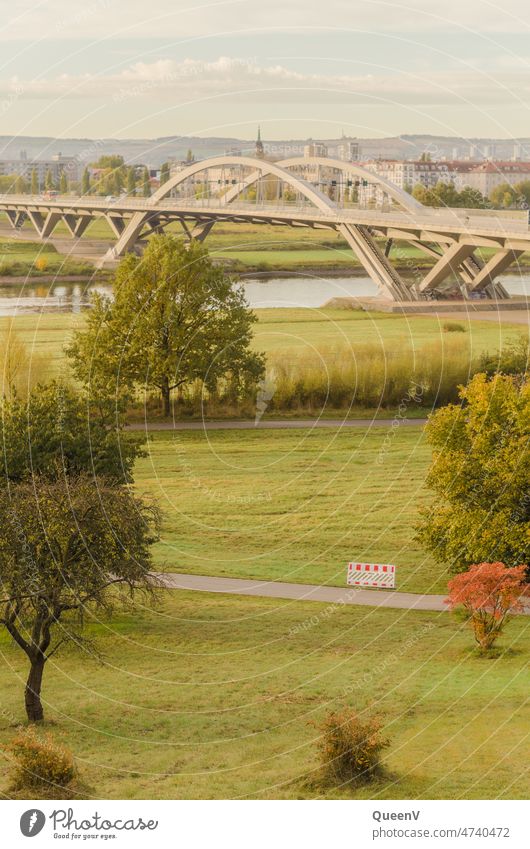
(306, 192)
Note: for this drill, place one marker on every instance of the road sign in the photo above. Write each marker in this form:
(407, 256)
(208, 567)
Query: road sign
(372, 575)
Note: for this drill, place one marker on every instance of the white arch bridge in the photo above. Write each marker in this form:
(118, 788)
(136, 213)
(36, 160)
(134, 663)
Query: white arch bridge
(304, 192)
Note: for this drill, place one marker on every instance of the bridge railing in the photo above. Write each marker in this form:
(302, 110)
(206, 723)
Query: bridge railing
(487, 221)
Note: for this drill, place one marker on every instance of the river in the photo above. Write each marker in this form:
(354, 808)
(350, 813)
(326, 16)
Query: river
(35, 297)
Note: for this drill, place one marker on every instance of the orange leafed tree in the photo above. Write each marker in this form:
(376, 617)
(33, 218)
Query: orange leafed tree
(488, 592)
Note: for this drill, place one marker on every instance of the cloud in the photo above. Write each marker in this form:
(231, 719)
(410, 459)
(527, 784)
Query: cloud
(105, 19)
(240, 79)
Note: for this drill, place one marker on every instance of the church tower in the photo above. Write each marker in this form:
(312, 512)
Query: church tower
(260, 152)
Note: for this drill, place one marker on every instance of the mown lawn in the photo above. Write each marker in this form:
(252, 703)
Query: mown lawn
(213, 696)
(291, 505)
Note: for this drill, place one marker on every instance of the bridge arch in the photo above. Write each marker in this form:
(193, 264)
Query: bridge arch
(262, 167)
(358, 237)
(399, 195)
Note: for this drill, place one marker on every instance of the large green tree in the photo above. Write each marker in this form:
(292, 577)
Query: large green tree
(175, 318)
(66, 546)
(480, 475)
(58, 431)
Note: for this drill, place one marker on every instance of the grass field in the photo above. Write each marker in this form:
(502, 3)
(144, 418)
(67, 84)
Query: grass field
(21, 258)
(291, 505)
(213, 697)
(296, 330)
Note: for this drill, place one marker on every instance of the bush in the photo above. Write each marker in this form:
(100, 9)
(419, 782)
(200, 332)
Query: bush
(350, 748)
(41, 264)
(453, 327)
(514, 358)
(39, 764)
(488, 592)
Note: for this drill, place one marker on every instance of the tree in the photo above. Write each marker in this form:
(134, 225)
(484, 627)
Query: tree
(175, 318)
(164, 173)
(488, 592)
(21, 186)
(189, 156)
(59, 431)
(445, 194)
(49, 182)
(85, 182)
(34, 182)
(470, 198)
(480, 475)
(7, 183)
(512, 358)
(65, 546)
(109, 161)
(63, 183)
(503, 195)
(131, 181)
(146, 185)
(523, 194)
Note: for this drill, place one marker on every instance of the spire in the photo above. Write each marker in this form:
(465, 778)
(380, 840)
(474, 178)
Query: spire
(260, 151)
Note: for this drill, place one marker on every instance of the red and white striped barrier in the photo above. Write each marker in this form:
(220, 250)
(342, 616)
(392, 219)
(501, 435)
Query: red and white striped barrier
(371, 575)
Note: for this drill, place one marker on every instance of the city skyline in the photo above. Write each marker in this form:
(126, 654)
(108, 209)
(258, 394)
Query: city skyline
(221, 68)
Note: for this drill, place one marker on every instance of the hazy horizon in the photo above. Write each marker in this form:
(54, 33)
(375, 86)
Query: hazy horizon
(375, 68)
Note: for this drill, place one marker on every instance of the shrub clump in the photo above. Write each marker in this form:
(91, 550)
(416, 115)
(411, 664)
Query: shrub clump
(350, 748)
(453, 327)
(40, 765)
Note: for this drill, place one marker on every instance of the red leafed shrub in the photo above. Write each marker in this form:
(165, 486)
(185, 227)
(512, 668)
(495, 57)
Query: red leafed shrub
(488, 592)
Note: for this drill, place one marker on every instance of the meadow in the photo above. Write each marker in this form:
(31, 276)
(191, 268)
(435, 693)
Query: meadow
(291, 505)
(36, 259)
(319, 360)
(215, 696)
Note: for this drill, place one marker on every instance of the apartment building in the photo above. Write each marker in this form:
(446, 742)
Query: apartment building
(57, 164)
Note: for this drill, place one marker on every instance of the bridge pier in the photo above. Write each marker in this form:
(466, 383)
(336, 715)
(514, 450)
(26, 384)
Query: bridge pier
(375, 262)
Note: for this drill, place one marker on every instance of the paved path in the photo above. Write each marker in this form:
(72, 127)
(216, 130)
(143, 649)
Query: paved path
(305, 592)
(302, 592)
(269, 424)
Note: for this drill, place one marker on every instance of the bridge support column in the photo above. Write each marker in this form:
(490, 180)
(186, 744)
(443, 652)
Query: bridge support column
(127, 239)
(36, 219)
(76, 226)
(52, 219)
(375, 262)
(498, 263)
(449, 262)
(15, 218)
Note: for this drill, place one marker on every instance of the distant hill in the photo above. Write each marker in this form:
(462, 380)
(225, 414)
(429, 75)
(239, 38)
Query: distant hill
(155, 151)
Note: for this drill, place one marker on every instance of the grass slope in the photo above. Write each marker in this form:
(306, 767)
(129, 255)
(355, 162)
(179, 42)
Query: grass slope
(291, 505)
(213, 697)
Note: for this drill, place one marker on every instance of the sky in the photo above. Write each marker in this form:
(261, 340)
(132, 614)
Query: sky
(299, 68)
